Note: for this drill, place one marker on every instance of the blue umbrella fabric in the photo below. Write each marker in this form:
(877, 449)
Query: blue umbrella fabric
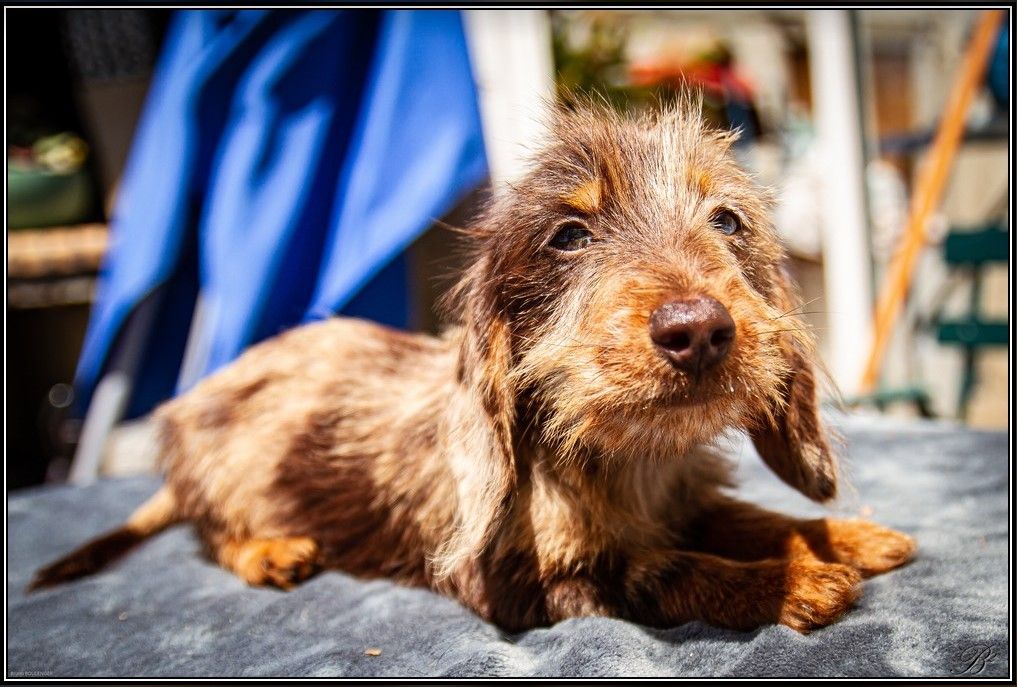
(283, 162)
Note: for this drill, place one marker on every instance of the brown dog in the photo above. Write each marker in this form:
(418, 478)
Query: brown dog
(550, 455)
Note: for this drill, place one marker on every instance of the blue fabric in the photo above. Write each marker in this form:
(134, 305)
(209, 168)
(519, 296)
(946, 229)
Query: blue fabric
(417, 94)
(999, 68)
(282, 163)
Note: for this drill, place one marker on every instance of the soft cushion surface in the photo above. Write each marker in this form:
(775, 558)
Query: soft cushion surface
(167, 611)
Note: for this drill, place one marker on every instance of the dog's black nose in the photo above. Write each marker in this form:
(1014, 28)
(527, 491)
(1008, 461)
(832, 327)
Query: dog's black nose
(695, 333)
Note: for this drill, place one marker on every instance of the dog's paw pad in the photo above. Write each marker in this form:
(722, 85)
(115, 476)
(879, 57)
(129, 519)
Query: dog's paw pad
(817, 593)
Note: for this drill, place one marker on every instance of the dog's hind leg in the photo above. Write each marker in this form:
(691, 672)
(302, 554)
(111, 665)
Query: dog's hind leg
(282, 561)
(666, 588)
(745, 532)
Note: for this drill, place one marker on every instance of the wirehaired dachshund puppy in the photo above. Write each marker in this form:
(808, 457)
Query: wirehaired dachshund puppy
(553, 453)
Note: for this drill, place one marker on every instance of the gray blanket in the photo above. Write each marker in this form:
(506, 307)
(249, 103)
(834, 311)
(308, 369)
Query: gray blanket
(167, 611)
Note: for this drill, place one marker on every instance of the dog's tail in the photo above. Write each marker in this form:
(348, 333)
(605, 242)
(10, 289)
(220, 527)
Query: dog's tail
(155, 515)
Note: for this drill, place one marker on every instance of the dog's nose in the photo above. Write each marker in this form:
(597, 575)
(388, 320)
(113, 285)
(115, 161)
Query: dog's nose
(695, 333)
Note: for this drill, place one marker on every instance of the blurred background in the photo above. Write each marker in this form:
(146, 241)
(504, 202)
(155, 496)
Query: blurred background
(182, 184)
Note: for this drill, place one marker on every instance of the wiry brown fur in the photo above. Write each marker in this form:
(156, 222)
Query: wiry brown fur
(542, 459)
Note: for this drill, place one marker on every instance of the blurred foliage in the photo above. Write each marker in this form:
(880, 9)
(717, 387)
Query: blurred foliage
(597, 65)
(63, 152)
(590, 57)
(59, 153)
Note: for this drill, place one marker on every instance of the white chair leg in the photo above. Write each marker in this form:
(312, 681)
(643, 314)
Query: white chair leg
(113, 392)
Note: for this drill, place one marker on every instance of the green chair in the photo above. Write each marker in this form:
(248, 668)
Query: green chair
(973, 250)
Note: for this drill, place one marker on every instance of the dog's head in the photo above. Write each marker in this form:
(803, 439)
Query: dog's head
(629, 296)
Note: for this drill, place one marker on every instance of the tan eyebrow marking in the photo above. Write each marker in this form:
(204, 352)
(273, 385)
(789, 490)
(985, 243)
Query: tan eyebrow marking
(701, 180)
(616, 180)
(586, 198)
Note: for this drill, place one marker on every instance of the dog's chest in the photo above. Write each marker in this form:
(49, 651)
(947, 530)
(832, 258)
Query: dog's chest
(577, 520)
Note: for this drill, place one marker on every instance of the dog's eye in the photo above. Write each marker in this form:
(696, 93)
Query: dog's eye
(572, 236)
(727, 222)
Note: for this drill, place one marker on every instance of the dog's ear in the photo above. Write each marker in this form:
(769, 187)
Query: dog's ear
(481, 436)
(793, 440)
(485, 356)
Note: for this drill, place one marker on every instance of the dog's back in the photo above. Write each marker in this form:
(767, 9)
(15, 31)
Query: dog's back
(315, 433)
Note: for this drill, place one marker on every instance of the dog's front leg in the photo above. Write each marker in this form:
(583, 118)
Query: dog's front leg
(745, 532)
(670, 588)
(281, 562)
(579, 596)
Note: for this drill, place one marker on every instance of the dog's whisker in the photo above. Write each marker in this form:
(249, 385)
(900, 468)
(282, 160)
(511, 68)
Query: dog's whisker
(805, 312)
(793, 310)
(800, 327)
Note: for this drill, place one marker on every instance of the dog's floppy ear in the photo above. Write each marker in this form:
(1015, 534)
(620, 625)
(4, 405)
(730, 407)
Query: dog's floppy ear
(485, 356)
(793, 441)
(481, 417)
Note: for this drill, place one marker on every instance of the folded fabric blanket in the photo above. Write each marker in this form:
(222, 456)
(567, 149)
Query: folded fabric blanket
(166, 611)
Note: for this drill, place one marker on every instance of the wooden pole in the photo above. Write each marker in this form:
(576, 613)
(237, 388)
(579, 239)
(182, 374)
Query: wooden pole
(930, 189)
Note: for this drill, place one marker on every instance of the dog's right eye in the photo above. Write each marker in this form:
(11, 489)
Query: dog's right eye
(572, 236)
(727, 222)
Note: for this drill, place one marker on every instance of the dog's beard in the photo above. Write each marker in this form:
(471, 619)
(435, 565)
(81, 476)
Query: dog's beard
(657, 419)
(593, 401)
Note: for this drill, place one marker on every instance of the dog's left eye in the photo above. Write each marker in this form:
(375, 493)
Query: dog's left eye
(727, 222)
(572, 236)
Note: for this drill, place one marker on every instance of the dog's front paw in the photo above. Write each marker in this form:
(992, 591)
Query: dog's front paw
(281, 562)
(817, 593)
(870, 548)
